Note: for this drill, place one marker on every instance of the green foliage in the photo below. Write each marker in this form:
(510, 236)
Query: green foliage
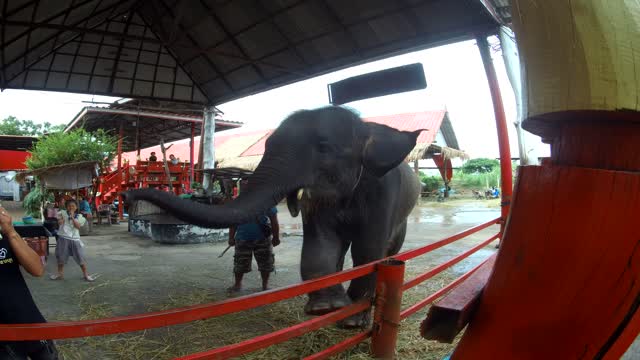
(476, 181)
(480, 166)
(431, 182)
(34, 200)
(13, 126)
(71, 147)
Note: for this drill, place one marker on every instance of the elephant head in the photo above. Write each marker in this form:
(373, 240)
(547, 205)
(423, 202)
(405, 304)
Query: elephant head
(320, 154)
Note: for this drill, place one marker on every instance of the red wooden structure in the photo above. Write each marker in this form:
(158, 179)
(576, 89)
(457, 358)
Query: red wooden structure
(142, 175)
(140, 125)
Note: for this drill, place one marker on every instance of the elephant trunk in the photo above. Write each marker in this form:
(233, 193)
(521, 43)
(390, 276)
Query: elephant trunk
(268, 185)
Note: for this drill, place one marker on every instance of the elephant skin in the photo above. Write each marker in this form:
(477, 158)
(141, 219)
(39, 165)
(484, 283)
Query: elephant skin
(347, 178)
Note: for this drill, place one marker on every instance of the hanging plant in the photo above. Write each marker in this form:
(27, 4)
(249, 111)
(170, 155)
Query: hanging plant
(73, 147)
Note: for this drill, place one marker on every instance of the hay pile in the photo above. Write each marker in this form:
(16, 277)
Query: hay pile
(179, 340)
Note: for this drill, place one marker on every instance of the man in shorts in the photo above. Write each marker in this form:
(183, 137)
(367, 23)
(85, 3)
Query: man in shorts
(16, 304)
(250, 239)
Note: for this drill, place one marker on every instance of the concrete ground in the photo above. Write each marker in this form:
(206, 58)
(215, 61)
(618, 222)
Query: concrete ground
(137, 275)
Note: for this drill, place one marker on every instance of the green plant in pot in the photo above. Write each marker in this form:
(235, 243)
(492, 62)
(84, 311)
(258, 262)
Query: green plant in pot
(197, 188)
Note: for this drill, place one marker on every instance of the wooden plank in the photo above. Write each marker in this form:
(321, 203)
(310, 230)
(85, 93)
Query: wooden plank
(448, 316)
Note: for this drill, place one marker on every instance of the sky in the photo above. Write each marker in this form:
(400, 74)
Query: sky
(455, 76)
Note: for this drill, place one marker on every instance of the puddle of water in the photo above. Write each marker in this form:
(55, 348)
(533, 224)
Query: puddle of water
(466, 214)
(123, 257)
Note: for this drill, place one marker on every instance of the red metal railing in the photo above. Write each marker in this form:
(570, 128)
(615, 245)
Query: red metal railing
(74, 329)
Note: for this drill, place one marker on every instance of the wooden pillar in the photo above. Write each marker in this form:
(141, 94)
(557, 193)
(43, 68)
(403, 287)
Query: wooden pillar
(416, 167)
(200, 150)
(566, 285)
(138, 139)
(191, 150)
(120, 140)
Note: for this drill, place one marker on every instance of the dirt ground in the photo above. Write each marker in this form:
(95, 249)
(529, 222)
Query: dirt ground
(137, 275)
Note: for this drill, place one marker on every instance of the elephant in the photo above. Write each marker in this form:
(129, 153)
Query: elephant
(349, 180)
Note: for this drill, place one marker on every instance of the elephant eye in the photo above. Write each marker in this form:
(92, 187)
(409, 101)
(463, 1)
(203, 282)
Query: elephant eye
(323, 147)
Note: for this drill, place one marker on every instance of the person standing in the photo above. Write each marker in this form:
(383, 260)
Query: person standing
(84, 208)
(253, 239)
(68, 240)
(16, 303)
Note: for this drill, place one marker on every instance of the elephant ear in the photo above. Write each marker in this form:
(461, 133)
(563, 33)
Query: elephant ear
(386, 147)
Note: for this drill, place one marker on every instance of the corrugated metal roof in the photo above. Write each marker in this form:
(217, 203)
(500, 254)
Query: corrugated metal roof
(205, 51)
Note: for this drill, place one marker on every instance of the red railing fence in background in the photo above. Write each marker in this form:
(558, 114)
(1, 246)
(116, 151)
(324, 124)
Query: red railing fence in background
(384, 332)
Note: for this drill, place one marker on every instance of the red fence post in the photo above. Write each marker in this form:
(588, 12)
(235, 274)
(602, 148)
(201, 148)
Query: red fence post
(386, 315)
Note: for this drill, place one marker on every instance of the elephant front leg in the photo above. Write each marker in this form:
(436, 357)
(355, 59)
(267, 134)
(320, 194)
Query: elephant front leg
(323, 255)
(363, 287)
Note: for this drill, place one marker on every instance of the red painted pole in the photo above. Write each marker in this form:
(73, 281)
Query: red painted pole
(191, 154)
(120, 202)
(386, 316)
(506, 181)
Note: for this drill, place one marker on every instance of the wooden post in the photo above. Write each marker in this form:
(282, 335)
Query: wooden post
(191, 150)
(120, 200)
(565, 286)
(120, 139)
(167, 173)
(201, 150)
(138, 139)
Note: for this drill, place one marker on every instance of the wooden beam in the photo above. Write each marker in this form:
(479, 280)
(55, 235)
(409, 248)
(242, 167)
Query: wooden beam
(452, 313)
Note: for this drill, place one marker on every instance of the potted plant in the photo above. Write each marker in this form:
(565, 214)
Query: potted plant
(197, 188)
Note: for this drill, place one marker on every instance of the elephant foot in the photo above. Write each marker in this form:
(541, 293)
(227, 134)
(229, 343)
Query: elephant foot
(360, 320)
(325, 303)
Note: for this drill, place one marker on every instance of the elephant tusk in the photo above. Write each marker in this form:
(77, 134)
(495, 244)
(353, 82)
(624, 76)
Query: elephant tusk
(300, 192)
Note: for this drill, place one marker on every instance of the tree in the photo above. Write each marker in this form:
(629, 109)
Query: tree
(480, 166)
(14, 126)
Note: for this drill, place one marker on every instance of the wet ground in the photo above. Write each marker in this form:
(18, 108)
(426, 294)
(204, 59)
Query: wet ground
(137, 275)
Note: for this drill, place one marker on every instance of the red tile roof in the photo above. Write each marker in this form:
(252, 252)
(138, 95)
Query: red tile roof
(430, 120)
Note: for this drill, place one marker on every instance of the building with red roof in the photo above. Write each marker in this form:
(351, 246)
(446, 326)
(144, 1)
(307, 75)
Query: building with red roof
(245, 150)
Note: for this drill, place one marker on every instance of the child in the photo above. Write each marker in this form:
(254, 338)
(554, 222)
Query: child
(68, 242)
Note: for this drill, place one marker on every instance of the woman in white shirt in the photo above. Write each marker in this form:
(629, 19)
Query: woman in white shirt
(68, 242)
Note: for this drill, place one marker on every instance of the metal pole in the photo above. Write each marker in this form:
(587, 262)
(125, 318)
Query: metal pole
(501, 123)
(386, 315)
(208, 147)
